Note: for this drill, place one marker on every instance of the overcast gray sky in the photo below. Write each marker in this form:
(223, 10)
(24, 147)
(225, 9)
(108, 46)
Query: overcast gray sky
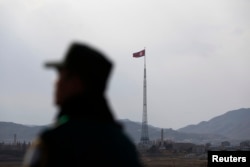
(198, 56)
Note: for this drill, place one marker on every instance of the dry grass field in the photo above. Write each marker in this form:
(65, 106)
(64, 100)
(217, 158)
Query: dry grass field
(173, 162)
(170, 161)
(10, 164)
(148, 160)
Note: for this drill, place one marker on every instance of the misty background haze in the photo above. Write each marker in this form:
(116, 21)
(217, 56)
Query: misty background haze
(198, 62)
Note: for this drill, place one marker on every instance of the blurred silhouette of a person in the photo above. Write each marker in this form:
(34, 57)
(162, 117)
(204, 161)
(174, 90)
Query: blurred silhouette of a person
(85, 132)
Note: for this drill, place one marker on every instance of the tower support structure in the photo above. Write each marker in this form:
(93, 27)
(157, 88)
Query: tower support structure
(144, 129)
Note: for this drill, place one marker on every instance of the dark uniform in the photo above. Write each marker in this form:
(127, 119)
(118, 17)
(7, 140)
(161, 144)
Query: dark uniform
(85, 133)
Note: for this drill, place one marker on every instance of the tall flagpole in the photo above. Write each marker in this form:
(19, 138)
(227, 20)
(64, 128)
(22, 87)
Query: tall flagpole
(144, 133)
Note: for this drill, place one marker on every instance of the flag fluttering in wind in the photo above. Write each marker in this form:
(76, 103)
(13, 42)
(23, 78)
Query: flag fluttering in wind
(139, 54)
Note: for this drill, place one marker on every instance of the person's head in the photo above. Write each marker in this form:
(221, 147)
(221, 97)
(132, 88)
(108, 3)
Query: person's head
(84, 70)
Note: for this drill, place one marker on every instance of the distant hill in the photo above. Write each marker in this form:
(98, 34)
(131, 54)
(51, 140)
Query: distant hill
(233, 124)
(23, 132)
(133, 130)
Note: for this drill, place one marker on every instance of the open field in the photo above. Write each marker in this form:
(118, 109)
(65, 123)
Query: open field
(10, 164)
(173, 162)
(149, 161)
(165, 160)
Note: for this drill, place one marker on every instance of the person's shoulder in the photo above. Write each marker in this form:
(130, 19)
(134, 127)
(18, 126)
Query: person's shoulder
(116, 132)
(68, 130)
(54, 130)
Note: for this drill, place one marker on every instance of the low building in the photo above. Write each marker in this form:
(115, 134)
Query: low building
(183, 147)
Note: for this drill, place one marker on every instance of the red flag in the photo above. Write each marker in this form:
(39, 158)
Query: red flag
(139, 54)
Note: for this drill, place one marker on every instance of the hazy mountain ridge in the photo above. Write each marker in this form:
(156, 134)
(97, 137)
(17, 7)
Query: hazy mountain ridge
(233, 124)
(133, 129)
(23, 132)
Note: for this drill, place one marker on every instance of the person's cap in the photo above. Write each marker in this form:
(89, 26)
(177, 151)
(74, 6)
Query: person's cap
(89, 63)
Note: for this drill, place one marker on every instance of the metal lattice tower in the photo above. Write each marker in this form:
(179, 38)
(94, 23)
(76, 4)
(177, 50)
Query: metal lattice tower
(144, 132)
